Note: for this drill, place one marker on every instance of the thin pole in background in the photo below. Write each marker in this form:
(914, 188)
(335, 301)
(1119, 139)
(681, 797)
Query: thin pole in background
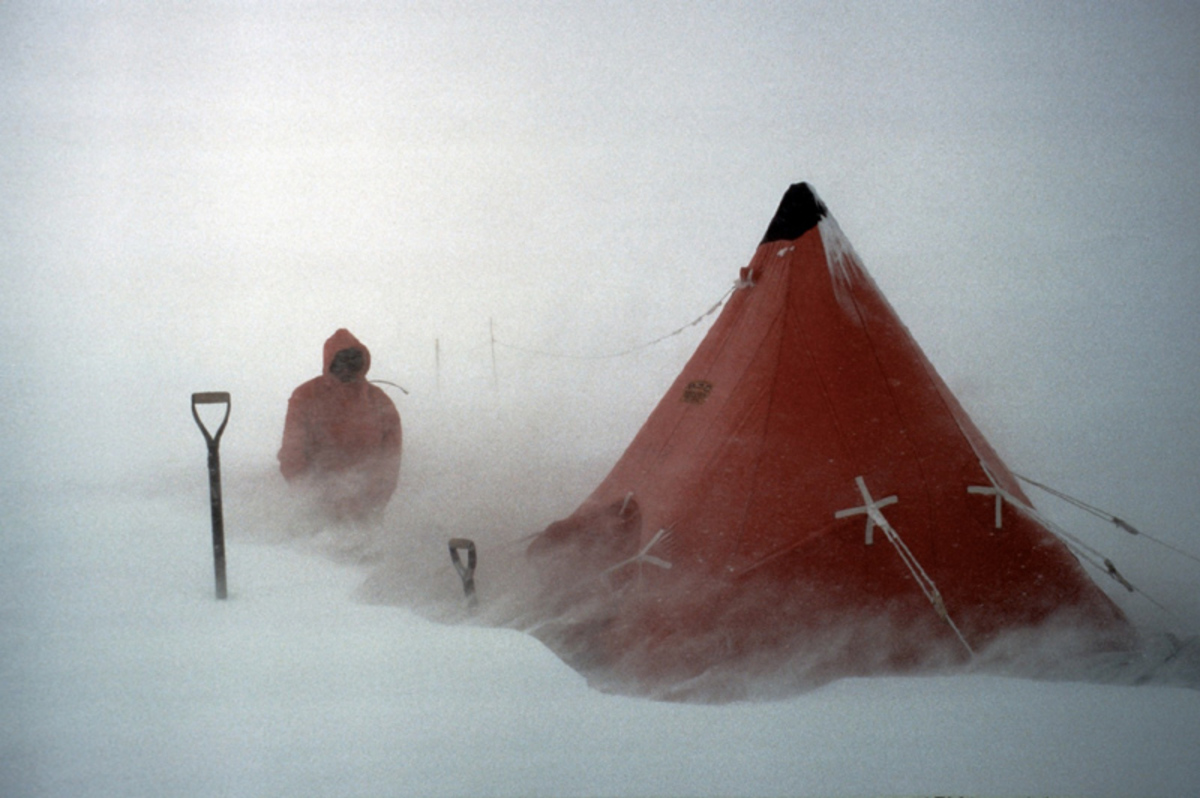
(495, 374)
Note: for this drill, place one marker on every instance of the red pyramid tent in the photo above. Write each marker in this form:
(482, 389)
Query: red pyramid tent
(807, 489)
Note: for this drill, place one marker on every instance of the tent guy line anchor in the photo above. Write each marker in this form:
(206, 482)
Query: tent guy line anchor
(995, 490)
(875, 518)
(999, 500)
(644, 556)
(647, 344)
(871, 508)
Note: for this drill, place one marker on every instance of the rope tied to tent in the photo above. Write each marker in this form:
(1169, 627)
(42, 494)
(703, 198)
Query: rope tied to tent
(646, 345)
(1003, 495)
(1120, 523)
(1115, 574)
(1091, 556)
(1082, 550)
(875, 518)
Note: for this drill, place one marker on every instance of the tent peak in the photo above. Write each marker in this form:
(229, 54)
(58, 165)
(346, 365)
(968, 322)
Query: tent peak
(799, 211)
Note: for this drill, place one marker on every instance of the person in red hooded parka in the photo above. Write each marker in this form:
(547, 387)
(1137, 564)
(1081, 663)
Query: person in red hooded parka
(342, 435)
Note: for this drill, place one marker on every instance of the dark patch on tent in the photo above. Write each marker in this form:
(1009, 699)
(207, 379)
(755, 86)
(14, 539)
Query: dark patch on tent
(799, 211)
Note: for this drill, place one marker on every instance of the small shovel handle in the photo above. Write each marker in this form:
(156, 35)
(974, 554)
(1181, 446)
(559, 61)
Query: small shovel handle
(465, 572)
(211, 398)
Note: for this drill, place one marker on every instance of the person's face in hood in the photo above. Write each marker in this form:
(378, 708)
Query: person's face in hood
(347, 365)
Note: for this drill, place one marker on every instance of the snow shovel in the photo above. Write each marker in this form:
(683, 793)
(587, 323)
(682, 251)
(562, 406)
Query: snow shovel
(214, 480)
(465, 572)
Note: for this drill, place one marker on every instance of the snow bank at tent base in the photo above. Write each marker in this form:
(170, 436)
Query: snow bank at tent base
(705, 669)
(122, 675)
(413, 571)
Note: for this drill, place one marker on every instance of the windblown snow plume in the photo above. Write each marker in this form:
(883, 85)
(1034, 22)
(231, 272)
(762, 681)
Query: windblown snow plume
(845, 268)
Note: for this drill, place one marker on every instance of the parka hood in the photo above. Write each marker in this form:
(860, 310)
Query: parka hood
(344, 339)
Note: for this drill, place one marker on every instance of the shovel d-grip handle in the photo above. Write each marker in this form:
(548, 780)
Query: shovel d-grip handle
(214, 480)
(465, 572)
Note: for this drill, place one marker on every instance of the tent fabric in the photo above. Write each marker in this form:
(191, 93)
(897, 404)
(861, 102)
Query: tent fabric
(737, 521)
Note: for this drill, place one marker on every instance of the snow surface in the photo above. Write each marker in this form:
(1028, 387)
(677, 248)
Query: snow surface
(197, 194)
(122, 675)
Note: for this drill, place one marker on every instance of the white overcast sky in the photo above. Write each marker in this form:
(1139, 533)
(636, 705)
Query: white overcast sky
(197, 194)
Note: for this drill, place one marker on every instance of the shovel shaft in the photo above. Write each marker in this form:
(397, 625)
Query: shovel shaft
(214, 481)
(218, 519)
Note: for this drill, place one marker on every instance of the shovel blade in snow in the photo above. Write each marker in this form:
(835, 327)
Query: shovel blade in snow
(465, 572)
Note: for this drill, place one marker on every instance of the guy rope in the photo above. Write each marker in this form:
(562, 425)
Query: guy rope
(1107, 516)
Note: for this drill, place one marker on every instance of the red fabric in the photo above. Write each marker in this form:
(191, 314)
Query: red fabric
(343, 438)
(806, 381)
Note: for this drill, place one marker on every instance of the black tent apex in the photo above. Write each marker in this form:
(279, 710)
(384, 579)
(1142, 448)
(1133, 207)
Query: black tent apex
(799, 211)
